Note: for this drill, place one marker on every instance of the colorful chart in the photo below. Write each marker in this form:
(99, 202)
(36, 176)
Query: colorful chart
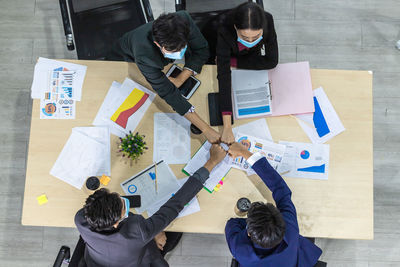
(319, 120)
(131, 104)
(68, 91)
(304, 154)
(318, 169)
(49, 109)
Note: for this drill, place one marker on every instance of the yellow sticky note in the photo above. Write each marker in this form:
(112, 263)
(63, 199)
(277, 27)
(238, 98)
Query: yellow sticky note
(42, 199)
(104, 179)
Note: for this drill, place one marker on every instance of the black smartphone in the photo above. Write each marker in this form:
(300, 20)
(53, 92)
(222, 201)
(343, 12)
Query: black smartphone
(134, 201)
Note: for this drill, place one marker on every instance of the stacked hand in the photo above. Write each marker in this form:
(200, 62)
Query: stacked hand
(160, 239)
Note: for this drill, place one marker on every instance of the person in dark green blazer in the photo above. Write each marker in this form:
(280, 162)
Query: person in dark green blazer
(156, 44)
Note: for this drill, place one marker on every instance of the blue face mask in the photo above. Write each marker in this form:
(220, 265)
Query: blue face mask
(126, 208)
(248, 44)
(177, 54)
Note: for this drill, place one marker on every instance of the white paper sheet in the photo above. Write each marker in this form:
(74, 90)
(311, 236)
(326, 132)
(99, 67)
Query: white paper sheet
(41, 79)
(86, 153)
(198, 161)
(273, 152)
(251, 93)
(332, 119)
(142, 184)
(192, 207)
(306, 160)
(171, 138)
(113, 100)
(258, 128)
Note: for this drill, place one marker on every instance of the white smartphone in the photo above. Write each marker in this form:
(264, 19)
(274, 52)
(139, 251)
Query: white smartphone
(188, 88)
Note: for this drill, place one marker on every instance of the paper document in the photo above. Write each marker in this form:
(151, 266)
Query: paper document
(291, 89)
(41, 77)
(116, 111)
(306, 160)
(86, 153)
(143, 184)
(324, 123)
(171, 138)
(273, 152)
(258, 129)
(192, 207)
(198, 161)
(251, 93)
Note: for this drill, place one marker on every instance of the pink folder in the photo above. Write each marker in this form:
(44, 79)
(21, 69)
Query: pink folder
(291, 89)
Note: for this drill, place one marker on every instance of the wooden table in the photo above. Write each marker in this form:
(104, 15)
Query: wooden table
(341, 207)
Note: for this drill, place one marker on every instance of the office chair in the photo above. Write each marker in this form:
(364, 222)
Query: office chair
(77, 259)
(94, 25)
(206, 15)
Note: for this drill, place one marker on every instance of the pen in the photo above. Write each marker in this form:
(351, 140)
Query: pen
(155, 180)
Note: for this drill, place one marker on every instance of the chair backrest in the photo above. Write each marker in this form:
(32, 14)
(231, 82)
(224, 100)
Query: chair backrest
(97, 24)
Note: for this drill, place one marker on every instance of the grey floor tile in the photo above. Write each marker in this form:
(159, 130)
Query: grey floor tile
(283, 9)
(386, 84)
(16, 76)
(16, 50)
(204, 244)
(345, 57)
(17, 7)
(387, 217)
(383, 264)
(287, 53)
(55, 237)
(312, 32)
(380, 33)
(47, 8)
(158, 7)
(339, 263)
(10, 208)
(199, 261)
(20, 241)
(52, 48)
(347, 10)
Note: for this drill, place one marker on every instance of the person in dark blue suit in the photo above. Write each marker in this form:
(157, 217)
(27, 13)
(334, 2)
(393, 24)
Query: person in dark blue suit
(270, 235)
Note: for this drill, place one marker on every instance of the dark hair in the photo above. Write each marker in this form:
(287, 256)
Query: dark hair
(265, 224)
(171, 31)
(249, 15)
(102, 210)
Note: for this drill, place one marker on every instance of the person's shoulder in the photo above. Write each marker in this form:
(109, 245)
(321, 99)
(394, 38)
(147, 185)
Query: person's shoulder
(80, 216)
(268, 16)
(184, 13)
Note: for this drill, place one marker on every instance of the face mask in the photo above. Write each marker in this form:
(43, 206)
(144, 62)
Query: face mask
(176, 55)
(126, 208)
(248, 44)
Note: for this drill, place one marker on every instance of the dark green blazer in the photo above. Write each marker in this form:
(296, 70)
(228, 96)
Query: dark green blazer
(138, 46)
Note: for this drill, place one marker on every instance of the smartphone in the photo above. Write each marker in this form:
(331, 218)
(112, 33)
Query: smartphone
(134, 201)
(188, 88)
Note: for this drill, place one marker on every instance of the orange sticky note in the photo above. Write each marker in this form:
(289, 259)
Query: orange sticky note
(42, 199)
(104, 179)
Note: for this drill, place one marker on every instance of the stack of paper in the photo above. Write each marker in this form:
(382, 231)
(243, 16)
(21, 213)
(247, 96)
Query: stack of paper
(86, 153)
(171, 138)
(192, 207)
(306, 160)
(121, 114)
(144, 184)
(324, 123)
(58, 85)
(198, 161)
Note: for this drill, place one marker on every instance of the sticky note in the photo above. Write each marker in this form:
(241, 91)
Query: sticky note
(104, 179)
(42, 199)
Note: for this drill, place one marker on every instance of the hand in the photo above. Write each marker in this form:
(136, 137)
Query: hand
(238, 150)
(227, 136)
(217, 154)
(212, 136)
(160, 239)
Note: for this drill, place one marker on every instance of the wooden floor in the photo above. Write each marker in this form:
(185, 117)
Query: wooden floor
(340, 34)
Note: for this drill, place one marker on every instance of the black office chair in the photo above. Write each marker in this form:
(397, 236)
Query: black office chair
(97, 24)
(77, 259)
(206, 14)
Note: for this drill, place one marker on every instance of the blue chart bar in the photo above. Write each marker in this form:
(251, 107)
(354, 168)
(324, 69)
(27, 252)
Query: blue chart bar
(257, 110)
(319, 120)
(68, 91)
(318, 169)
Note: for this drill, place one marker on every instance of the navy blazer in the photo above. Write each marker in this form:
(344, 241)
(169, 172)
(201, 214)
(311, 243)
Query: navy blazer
(294, 250)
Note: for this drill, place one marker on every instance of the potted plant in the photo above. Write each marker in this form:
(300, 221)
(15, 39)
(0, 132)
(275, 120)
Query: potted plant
(132, 145)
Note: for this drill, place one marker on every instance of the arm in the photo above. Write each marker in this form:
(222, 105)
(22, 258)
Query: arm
(170, 210)
(270, 59)
(211, 135)
(197, 46)
(232, 228)
(164, 88)
(280, 191)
